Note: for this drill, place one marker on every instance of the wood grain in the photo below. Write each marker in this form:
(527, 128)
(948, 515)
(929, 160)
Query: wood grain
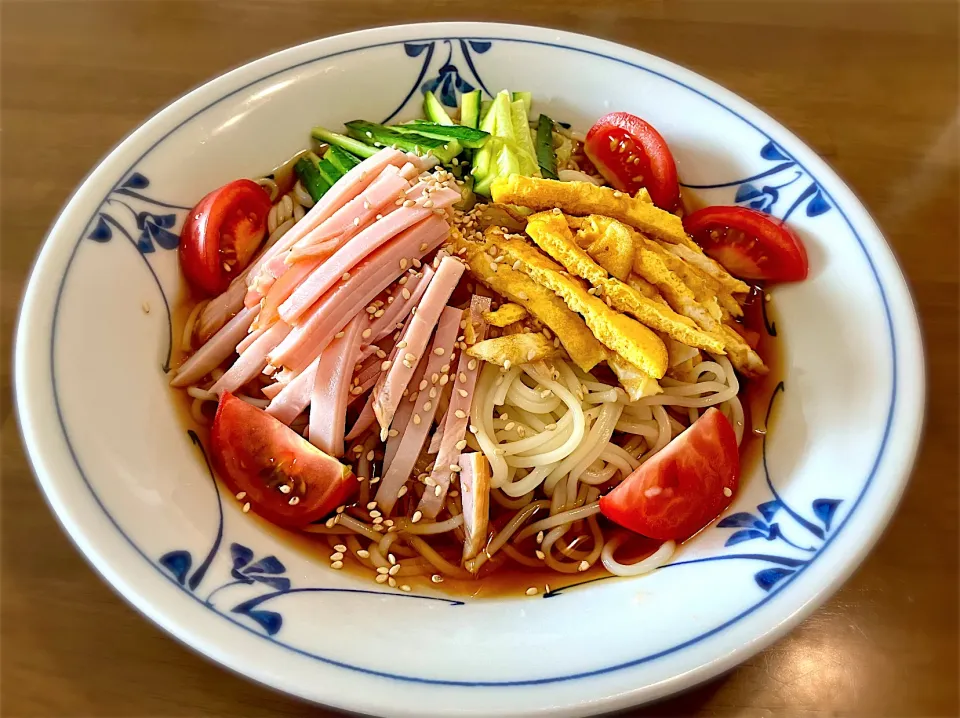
(870, 84)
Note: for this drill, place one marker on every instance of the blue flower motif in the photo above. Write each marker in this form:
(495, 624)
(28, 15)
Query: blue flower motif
(155, 228)
(267, 570)
(447, 84)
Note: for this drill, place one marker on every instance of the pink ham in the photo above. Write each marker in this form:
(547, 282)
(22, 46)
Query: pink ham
(245, 343)
(279, 290)
(363, 423)
(413, 436)
(294, 396)
(348, 256)
(389, 389)
(345, 189)
(252, 361)
(458, 413)
(331, 388)
(404, 410)
(349, 297)
(403, 305)
(353, 217)
(215, 351)
(219, 310)
(271, 390)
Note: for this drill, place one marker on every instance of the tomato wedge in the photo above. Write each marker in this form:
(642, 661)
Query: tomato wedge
(256, 456)
(222, 233)
(682, 488)
(630, 154)
(749, 244)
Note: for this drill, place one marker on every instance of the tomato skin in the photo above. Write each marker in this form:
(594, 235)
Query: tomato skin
(679, 490)
(226, 226)
(749, 244)
(646, 160)
(249, 447)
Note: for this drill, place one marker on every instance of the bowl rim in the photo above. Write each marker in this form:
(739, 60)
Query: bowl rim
(905, 312)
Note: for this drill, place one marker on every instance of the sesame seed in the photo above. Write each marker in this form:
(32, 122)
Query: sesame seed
(356, 221)
(510, 426)
(463, 392)
(339, 335)
(506, 363)
(393, 432)
(727, 492)
(382, 578)
(241, 496)
(372, 505)
(338, 556)
(284, 488)
(386, 365)
(402, 344)
(405, 587)
(375, 513)
(330, 523)
(436, 578)
(540, 554)
(472, 364)
(540, 537)
(381, 354)
(434, 378)
(246, 508)
(392, 559)
(461, 445)
(584, 565)
(366, 333)
(405, 293)
(423, 247)
(363, 553)
(294, 500)
(404, 263)
(382, 569)
(410, 357)
(370, 455)
(428, 406)
(473, 429)
(532, 591)
(416, 419)
(551, 427)
(493, 266)
(433, 392)
(461, 414)
(378, 520)
(401, 492)
(444, 379)
(391, 582)
(340, 547)
(437, 491)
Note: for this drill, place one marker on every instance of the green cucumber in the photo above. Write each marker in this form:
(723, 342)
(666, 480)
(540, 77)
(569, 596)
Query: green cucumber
(470, 109)
(521, 130)
(546, 157)
(350, 145)
(526, 98)
(434, 111)
(378, 135)
(341, 159)
(466, 136)
(310, 177)
(484, 111)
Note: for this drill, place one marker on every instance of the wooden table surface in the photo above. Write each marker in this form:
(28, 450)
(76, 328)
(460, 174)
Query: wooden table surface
(871, 85)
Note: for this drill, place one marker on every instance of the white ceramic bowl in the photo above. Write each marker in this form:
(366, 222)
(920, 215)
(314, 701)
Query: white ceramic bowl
(133, 492)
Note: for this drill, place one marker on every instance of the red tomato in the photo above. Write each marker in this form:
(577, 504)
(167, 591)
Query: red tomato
(749, 244)
(630, 154)
(680, 490)
(257, 454)
(222, 233)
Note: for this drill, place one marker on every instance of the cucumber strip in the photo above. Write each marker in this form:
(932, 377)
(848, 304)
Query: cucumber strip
(546, 157)
(341, 159)
(524, 140)
(485, 106)
(444, 150)
(500, 112)
(347, 143)
(526, 98)
(306, 170)
(466, 136)
(434, 111)
(470, 109)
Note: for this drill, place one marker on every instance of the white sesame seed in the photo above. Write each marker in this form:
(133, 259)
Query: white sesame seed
(439, 351)
(472, 364)
(402, 344)
(246, 508)
(461, 445)
(405, 587)
(540, 554)
(241, 496)
(339, 335)
(727, 492)
(461, 414)
(510, 426)
(391, 582)
(374, 514)
(363, 553)
(284, 488)
(438, 490)
(584, 565)
(382, 578)
(294, 500)
(392, 559)
(404, 263)
(393, 432)
(436, 578)
(532, 591)
(378, 520)
(337, 557)
(540, 537)
(340, 547)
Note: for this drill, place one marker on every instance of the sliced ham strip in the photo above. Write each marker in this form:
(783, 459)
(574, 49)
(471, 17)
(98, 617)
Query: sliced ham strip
(403, 304)
(271, 390)
(414, 435)
(458, 411)
(475, 495)
(404, 410)
(389, 389)
(294, 397)
(437, 437)
(345, 189)
(331, 388)
(245, 343)
(280, 289)
(367, 280)
(353, 217)
(220, 310)
(347, 257)
(215, 351)
(252, 361)
(363, 423)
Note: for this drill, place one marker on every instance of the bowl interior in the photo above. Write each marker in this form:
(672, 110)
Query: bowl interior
(129, 482)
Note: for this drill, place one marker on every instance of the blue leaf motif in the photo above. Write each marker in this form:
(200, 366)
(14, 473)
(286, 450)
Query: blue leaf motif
(270, 564)
(414, 49)
(101, 232)
(164, 237)
(769, 509)
(177, 563)
(144, 242)
(278, 582)
(241, 555)
(770, 151)
(817, 205)
(480, 46)
(824, 509)
(741, 520)
(136, 181)
(270, 621)
(746, 192)
(768, 577)
(744, 535)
